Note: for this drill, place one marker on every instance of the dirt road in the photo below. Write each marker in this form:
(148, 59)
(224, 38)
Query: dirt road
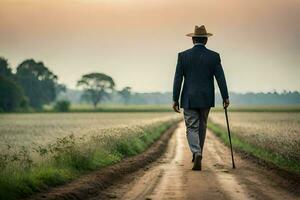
(171, 176)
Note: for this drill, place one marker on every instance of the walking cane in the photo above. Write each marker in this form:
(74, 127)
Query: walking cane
(228, 129)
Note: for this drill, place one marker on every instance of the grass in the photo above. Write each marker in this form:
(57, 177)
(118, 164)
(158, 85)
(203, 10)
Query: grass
(43, 128)
(109, 108)
(241, 144)
(69, 157)
(112, 108)
(260, 108)
(167, 108)
(115, 108)
(276, 132)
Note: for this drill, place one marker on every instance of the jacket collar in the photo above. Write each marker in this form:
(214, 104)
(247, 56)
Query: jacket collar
(198, 45)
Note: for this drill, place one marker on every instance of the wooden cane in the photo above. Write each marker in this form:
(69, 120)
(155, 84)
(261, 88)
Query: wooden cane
(228, 129)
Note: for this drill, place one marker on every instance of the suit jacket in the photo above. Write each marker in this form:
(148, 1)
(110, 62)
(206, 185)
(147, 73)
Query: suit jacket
(197, 67)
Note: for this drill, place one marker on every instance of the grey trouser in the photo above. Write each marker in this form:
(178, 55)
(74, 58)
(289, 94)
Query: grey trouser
(196, 121)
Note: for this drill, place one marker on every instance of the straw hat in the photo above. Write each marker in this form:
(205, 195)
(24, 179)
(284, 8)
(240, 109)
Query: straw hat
(199, 32)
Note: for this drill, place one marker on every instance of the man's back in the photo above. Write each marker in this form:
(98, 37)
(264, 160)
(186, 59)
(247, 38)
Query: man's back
(198, 66)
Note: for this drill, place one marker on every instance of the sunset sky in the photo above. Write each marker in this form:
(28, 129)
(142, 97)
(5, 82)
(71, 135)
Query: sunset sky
(137, 41)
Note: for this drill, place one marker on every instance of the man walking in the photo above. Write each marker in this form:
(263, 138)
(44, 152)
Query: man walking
(197, 67)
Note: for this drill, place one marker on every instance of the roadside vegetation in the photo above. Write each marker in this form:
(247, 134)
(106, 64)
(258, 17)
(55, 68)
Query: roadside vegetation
(261, 108)
(271, 136)
(46, 160)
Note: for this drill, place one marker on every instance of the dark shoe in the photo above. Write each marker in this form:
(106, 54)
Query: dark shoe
(197, 162)
(193, 157)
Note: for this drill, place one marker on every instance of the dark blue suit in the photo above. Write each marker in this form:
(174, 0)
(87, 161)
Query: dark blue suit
(197, 67)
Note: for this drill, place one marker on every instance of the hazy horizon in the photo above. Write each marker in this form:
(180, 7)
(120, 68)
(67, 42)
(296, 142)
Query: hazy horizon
(136, 42)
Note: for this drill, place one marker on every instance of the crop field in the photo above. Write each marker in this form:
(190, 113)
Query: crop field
(274, 132)
(114, 108)
(48, 149)
(43, 128)
(260, 108)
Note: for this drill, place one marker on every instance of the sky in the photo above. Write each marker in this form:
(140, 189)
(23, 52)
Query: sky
(137, 41)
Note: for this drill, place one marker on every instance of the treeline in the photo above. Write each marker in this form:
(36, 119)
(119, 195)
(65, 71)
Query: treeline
(159, 98)
(34, 85)
(269, 98)
(30, 87)
(261, 98)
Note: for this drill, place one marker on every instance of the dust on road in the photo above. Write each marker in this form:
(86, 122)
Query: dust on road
(171, 176)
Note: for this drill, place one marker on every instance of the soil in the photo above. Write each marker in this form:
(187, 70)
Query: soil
(171, 177)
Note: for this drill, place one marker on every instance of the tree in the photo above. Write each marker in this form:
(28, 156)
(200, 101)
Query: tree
(62, 106)
(38, 82)
(96, 87)
(5, 70)
(11, 95)
(60, 88)
(125, 94)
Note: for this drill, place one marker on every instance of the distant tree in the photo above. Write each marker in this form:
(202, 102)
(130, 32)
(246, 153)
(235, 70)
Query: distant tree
(38, 82)
(11, 95)
(125, 94)
(62, 106)
(60, 88)
(96, 87)
(5, 70)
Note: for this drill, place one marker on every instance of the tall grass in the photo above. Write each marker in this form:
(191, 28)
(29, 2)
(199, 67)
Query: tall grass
(261, 108)
(69, 157)
(239, 143)
(274, 132)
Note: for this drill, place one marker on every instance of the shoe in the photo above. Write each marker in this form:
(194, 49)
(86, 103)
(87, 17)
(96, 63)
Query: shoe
(193, 157)
(197, 162)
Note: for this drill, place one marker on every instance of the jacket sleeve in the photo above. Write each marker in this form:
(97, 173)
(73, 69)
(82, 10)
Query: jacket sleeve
(220, 77)
(177, 79)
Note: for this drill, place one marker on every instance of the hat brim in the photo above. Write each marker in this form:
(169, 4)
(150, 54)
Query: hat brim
(193, 35)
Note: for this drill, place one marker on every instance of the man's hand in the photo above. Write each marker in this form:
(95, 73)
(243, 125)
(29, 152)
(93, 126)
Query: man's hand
(226, 103)
(176, 107)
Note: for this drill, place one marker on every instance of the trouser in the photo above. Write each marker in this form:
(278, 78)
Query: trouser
(196, 123)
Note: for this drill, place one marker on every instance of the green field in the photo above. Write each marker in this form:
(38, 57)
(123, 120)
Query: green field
(161, 108)
(47, 149)
(24, 129)
(271, 136)
(40, 150)
(260, 108)
(115, 108)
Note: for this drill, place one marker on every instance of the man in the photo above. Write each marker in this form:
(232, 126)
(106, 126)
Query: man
(198, 66)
